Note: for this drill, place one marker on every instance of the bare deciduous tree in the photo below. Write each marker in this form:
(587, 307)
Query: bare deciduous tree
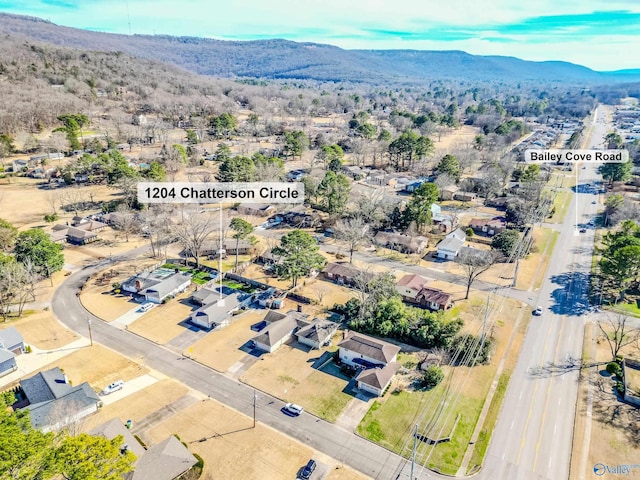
(193, 230)
(474, 264)
(618, 333)
(354, 232)
(126, 221)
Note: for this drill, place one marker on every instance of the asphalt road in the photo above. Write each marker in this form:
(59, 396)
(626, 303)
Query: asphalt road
(532, 439)
(533, 436)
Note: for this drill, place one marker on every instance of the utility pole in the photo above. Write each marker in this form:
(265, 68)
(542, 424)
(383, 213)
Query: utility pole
(484, 321)
(415, 446)
(254, 408)
(90, 335)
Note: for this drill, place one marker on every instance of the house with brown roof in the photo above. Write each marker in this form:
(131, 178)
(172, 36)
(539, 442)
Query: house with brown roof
(434, 299)
(342, 273)
(410, 285)
(401, 242)
(488, 226)
(376, 358)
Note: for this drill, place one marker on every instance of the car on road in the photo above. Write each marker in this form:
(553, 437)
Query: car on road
(583, 230)
(308, 469)
(538, 311)
(593, 202)
(113, 387)
(292, 409)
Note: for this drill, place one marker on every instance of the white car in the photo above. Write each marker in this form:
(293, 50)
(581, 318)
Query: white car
(145, 307)
(293, 409)
(113, 387)
(538, 311)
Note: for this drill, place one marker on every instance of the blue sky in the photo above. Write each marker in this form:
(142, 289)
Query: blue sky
(601, 34)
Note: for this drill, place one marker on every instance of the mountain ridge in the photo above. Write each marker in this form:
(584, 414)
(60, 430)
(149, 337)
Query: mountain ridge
(286, 59)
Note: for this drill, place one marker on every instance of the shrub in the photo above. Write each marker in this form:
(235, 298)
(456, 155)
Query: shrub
(620, 388)
(432, 376)
(614, 369)
(27, 349)
(469, 232)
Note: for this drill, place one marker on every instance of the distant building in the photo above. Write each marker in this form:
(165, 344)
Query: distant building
(256, 209)
(342, 273)
(402, 243)
(487, 226)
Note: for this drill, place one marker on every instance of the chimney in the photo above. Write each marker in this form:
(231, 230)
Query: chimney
(299, 308)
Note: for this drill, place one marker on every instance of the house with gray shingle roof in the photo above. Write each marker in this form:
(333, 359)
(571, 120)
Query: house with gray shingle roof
(222, 303)
(376, 358)
(280, 327)
(317, 334)
(165, 461)
(156, 285)
(53, 403)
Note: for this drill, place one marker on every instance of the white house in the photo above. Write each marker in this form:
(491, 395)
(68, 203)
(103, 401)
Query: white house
(450, 246)
(218, 312)
(376, 358)
(158, 284)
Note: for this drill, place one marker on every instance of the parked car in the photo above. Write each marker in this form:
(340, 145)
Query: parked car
(538, 311)
(583, 230)
(113, 387)
(145, 307)
(293, 409)
(308, 469)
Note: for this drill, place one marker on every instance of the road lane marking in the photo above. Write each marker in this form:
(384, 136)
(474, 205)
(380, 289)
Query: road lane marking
(546, 403)
(533, 396)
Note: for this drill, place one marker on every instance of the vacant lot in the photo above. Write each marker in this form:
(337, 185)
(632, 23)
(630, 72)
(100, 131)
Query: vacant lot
(288, 374)
(139, 404)
(42, 330)
(325, 292)
(161, 323)
(220, 349)
(234, 450)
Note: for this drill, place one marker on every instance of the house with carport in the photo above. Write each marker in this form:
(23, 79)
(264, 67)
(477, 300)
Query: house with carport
(376, 360)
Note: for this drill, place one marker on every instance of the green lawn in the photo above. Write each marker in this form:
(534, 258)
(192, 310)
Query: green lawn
(390, 423)
(628, 308)
(482, 442)
(561, 204)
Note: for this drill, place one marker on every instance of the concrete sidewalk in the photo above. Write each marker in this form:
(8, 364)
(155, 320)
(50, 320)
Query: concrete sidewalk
(37, 359)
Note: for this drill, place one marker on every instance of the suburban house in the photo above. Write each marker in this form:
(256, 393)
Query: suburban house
(53, 403)
(400, 242)
(255, 209)
(487, 226)
(355, 172)
(297, 217)
(450, 246)
(376, 358)
(414, 289)
(280, 328)
(156, 285)
(498, 202)
(211, 248)
(448, 192)
(318, 334)
(165, 461)
(220, 306)
(464, 196)
(11, 344)
(434, 299)
(268, 258)
(410, 285)
(342, 273)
